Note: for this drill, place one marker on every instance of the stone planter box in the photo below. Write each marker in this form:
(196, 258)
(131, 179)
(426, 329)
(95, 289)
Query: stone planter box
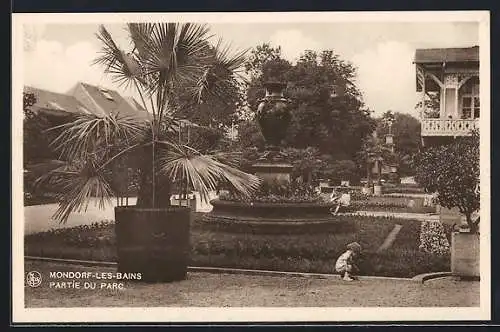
(177, 200)
(153, 242)
(465, 254)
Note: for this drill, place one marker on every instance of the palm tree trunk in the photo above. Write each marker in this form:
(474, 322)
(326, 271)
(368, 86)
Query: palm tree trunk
(368, 174)
(473, 226)
(162, 189)
(379, 172)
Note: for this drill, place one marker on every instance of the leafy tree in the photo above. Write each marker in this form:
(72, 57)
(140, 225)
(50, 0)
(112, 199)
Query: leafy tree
(259, 57)
(342, 170)
(453, 172)
(39, 129)
(334, 124)
(35, 135)
(249, 135)
(407, 140)
(430, 105)
(307, 163)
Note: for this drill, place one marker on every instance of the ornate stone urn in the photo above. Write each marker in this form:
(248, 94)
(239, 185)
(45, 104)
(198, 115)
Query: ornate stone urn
(273, 114)
(273, 167)
(273, 117)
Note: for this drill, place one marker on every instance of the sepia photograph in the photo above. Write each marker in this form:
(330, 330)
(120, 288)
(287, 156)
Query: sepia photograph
(251, 167)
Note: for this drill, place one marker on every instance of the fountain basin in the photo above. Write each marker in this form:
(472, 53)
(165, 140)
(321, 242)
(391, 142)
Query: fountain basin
(274, 218)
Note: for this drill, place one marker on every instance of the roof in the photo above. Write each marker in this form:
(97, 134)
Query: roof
(112, 102)
(135, 104)
(49, 100)
(439, 55)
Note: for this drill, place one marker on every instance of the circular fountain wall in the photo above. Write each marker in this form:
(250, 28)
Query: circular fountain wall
(260, 216)
(267, 217)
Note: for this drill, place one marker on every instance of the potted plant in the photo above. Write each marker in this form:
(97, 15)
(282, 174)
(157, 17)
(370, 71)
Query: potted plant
(171, 67)
(452, 171)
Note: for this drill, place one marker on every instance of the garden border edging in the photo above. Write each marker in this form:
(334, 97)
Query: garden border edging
(417, 279)
(421, 278)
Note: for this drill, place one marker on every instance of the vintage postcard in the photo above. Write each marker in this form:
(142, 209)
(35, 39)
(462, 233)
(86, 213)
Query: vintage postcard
(251, 167)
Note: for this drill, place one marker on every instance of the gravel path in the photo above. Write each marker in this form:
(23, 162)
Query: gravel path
(38, 218)
(229, 290)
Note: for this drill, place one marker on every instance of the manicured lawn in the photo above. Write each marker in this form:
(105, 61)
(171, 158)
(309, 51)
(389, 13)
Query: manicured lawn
(227, 290)
(287, 252)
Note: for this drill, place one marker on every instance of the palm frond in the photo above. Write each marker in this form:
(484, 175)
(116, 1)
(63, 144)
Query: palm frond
(170, 51)
(139, 34)
(89, 134)
(204, 172)
(219, 78)
(233, 62)
(77, 184)
(123, 67)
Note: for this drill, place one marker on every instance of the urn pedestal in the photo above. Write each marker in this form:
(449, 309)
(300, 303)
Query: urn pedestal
(273, 173)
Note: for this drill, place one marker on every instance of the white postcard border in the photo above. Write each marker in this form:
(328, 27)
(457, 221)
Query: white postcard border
(194, 314)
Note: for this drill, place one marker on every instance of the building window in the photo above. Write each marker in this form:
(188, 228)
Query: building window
(56, 106)
(470, 101)
(106, 94)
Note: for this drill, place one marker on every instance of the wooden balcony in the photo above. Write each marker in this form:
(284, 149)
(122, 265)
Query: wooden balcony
(448, 127)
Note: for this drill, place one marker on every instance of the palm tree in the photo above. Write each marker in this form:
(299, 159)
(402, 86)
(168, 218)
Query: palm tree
(166, 63)
(374, 152)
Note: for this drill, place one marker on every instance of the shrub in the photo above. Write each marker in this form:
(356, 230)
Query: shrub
(433, 238)
(404, 190)
(294, 192)
(341, 170)
(359, 196)
(391, 204)
(453, 172)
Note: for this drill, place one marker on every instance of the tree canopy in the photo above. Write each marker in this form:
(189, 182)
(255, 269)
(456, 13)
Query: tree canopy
(453, 172)
(407, 139)
(327, 109)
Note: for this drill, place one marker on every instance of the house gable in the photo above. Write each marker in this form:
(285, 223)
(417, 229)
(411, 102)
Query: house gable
(104, 101)
(446, 55)
(55, 103)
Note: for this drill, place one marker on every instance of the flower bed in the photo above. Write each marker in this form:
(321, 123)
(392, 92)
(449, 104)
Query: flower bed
(391, 204)
(295, 192)
(286, 252)
(403, 190)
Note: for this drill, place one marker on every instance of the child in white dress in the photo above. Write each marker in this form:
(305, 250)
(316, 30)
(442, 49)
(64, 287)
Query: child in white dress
(345, 263)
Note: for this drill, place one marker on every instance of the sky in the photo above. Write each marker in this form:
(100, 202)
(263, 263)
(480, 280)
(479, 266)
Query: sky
(57, 56)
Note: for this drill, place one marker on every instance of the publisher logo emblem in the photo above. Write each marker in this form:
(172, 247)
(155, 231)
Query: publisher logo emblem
(34, 279)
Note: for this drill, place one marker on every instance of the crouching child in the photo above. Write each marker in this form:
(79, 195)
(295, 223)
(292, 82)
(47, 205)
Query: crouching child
(345, 264)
